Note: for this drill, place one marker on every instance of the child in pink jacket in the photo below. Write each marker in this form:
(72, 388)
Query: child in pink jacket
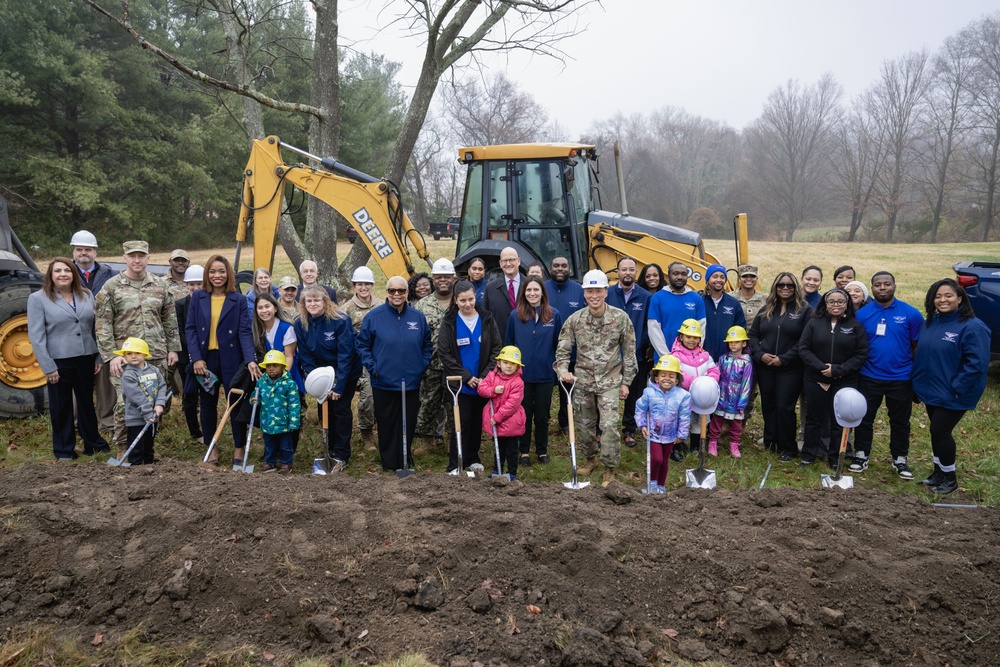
(504, 388)
(695, 362)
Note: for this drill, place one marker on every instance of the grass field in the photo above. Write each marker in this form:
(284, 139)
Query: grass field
(915, 267)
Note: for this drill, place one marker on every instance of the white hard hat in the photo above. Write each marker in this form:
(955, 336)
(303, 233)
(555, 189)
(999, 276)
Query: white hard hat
(194, 273)
(704, 395)
(443, 267)
(595, 278)
(320, 382)
(363, 274)
(849, 406)
(83, 238)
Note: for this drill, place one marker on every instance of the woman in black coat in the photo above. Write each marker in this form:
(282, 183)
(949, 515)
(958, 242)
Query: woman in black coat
(833, 348)
(774, 341)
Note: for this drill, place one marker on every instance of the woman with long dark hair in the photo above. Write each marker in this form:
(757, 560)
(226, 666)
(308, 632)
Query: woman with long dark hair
(651, 277)
(774, 339)
(273, 331)
(949, 372)
(468, 343)
(534, 329)
(220, 340)
(833, 348)
(61, 331)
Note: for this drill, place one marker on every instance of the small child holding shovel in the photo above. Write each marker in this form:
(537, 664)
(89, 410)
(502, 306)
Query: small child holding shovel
(735, 383)
(144, 392)
(280, 412)
(663, 412)
(504, 388)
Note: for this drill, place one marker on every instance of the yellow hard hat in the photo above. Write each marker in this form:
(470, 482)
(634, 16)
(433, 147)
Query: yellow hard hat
(275, 357)
(690, 328)
(511, 354)
(134, 345)
(668, 363)
(736, 334)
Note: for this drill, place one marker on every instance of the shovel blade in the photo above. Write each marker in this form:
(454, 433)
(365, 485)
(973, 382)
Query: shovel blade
(120, 464)
(842, 482)
(405, 472)
(576, 485)
(241, 468)
(700, 478)
(322, 466)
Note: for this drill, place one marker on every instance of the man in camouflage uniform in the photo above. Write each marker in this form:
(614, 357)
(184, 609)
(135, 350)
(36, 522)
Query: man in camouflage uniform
(179, 263)
(434, 306)
(605, 367)
(356, 308)
(135, 303)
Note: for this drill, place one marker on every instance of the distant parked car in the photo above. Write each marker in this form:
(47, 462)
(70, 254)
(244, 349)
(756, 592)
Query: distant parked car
(981, 281)
(351, 234)
(447, 228)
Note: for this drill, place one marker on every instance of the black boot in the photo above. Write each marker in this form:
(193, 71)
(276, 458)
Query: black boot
(695, 443)
(678, 452)
(947, 485)
(934, 478)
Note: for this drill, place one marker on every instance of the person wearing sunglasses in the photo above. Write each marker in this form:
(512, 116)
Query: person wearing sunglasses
(833, 348)
(774, 337)
(395, 347)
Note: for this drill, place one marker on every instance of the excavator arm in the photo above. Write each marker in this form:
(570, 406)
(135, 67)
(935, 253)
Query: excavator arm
(369, 204)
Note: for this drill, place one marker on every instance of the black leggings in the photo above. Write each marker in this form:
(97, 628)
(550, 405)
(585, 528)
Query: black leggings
(943, 422)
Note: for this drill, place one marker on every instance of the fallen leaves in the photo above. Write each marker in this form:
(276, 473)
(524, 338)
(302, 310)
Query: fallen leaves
(232, 538)
(269, 656)
(532, 609)
(512, 628)
(98, 639)
(491, 590)
(670, 632)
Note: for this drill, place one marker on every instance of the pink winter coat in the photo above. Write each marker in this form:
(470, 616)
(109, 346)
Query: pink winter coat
(509, 413)
(694, 363)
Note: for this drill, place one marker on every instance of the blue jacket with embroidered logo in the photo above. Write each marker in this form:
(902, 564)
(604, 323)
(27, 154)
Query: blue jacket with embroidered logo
(328, 341)
(395, 345)
(952, 359)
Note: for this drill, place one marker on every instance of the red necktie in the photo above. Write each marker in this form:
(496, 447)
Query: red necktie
(86, 276)
(510, 293)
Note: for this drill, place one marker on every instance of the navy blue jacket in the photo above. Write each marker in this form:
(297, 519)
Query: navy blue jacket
(951, 362)
(328, 342)
(99, 275)
(565, 297)
(718, 319)
(394, 346)
(480, 287)
(537, 343)
(637, 310)
(233, 332)
(330, 292)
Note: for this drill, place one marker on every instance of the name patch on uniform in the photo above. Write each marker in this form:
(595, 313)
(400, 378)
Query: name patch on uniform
(371, 231)
(463, 341)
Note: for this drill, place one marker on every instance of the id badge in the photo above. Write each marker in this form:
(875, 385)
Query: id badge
(463, 341)
(880, 329)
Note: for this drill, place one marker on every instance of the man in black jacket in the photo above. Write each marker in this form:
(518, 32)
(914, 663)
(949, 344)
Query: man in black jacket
(501, 293)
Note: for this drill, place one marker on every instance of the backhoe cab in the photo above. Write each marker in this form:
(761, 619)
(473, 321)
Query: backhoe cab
(539, 199)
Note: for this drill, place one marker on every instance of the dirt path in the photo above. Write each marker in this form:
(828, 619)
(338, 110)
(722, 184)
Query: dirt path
(471, 570)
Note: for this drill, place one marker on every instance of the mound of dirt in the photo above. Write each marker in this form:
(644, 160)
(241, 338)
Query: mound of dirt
(467, 570)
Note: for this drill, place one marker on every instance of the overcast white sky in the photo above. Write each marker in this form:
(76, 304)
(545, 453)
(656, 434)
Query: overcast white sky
(718, 59)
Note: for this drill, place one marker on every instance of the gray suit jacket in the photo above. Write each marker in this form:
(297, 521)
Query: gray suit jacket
(56, 332)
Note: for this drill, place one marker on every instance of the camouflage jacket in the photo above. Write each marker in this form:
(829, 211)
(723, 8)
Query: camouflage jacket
(750, 306)
(141, 308)
(434, 312)
(178, 290)
(356, 310)
(600, 343)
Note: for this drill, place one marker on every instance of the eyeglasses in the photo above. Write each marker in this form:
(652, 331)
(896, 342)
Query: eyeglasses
(396, 290)
(838, 302)
(508, 261)
(785, 285)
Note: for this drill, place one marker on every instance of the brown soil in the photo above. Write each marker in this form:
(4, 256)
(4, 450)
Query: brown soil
(468, 570)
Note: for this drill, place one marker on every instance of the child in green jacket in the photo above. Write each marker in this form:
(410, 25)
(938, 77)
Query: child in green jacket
(280, 412)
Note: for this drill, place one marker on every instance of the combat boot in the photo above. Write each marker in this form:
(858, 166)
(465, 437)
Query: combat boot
(422, 445)
(588, 467)
(609, 476)
(947, 484)
(368, 439)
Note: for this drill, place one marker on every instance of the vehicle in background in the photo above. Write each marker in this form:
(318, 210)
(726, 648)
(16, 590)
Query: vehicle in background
(981, 281)
(448, 228)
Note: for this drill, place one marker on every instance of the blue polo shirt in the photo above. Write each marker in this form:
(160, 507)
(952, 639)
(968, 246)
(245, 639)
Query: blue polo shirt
(670, 310)
(890, 356)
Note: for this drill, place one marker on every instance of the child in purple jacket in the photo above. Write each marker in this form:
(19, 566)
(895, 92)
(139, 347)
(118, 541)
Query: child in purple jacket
(735, 383)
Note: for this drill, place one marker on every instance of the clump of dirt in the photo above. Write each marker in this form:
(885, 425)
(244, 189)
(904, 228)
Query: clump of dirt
(468, 570)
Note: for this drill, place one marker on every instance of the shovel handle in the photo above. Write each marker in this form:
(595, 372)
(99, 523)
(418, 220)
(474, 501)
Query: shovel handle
(326, 414)
(843, 440)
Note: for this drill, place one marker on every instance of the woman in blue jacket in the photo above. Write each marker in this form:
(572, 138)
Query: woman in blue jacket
(949, 372)
(534, 329)
(326, 338)
(219, 338)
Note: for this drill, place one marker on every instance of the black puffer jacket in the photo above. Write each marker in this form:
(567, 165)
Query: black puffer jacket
(779, 335)
(842, 344)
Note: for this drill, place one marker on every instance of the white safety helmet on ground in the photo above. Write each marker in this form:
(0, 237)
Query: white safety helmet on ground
(595, 278)
(194, 273)
(443, 267)
(704, 395)
(363, 274)
(320, 382)
(83, 238)
(849, 406)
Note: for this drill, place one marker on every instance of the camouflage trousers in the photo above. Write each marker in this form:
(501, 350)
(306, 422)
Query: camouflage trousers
(432, 404)
(366, 403)
(120, 435)
(593, 410)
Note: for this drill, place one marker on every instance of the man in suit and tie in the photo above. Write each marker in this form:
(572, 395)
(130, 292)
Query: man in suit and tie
(501, 293)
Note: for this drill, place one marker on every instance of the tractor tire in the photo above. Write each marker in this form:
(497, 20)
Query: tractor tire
(244, 281)
(17, 360)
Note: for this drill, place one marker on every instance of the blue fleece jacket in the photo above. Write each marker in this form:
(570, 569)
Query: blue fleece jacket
(951, 362)
(637, 310)
(395, 345)
(565, 297)
(328, 342)
(669, 413)
(718, 319)
(537, 342)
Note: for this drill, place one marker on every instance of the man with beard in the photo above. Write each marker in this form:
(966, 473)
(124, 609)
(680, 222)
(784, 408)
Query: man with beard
(670, 307)
(626, 295)
(434, 306)
(179, 263)
(566, 296)
(892, 327)
(721, 312)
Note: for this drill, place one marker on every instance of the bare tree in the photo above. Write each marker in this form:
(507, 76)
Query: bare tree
(896, 102)
(788, 149)
(857, 162)
(985, 109)
(495, 113)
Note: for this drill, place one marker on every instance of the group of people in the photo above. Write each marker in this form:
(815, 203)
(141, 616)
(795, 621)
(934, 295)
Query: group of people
(514, 341)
